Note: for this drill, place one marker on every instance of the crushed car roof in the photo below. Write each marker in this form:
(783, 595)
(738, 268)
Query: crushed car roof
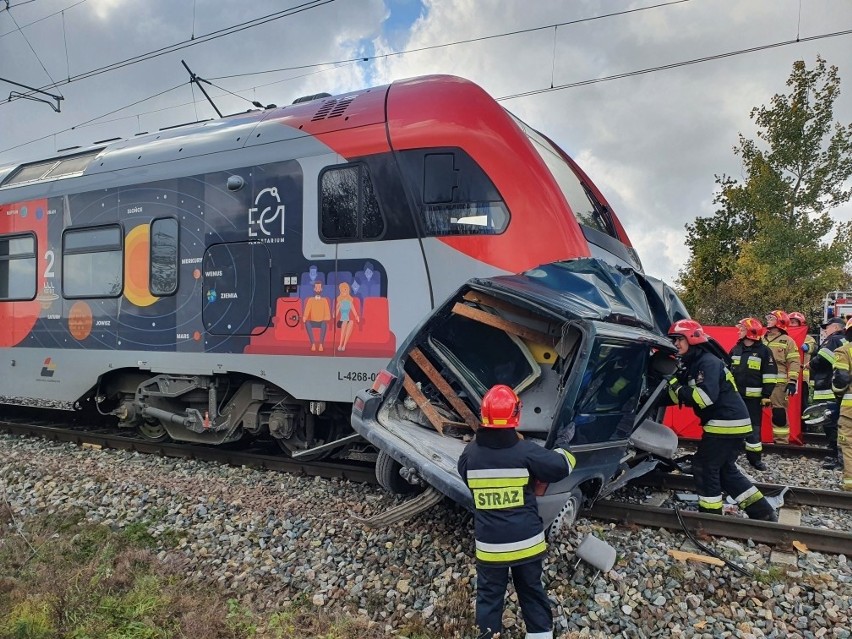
(591, 289)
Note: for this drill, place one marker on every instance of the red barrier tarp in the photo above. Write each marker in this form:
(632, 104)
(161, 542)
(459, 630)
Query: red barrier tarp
(684, 422)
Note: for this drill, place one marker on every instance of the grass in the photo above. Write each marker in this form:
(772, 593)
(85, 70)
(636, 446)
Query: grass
(64, 578)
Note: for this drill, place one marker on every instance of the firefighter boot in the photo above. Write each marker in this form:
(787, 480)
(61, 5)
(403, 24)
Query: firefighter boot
(761, 510)
(755, 461)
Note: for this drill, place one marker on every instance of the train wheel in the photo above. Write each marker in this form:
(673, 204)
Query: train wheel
(153, 432)
(387, 473)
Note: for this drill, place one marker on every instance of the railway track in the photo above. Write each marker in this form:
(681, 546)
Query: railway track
(63, 425)
(702, 524)
(106, 437)
(795, 495)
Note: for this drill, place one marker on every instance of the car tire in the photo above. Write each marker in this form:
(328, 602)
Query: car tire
(387, 473)
(568, 514)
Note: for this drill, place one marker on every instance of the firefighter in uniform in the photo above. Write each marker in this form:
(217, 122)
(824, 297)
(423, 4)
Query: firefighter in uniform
(786, 355)
(822, 371)
(704, 384)
(500, 469)
(809, 347)
(754, 372)
(842, 386)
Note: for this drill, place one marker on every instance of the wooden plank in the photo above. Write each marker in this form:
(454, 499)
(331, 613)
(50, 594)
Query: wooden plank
(446, 390)
(706, 559)
(420, 399)
(494, 302)
(503, 324)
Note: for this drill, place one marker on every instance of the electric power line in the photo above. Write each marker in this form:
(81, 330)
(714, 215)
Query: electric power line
(214, 35)
(50, 15)
(674, 65)
(454, 43)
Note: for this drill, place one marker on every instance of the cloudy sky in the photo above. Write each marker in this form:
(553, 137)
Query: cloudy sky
(652, 142)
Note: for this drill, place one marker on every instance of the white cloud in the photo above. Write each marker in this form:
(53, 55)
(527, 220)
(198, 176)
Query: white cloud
(651, 142)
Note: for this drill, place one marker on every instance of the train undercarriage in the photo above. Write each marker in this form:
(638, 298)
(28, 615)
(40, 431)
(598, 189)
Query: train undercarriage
(222, 409)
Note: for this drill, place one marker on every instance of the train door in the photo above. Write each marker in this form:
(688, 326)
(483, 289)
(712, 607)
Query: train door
(379, 287)
(236, 290)
(459, 209)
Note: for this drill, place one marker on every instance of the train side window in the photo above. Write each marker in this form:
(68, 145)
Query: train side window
(164, 256)
(18, 267)
(455, 196)
(93, 262)
(348, 205)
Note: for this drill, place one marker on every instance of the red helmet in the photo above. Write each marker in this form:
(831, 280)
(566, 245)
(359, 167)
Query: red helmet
(501, 407)
(782, 320)
(796, 315)
(690, 329)
(754, 330)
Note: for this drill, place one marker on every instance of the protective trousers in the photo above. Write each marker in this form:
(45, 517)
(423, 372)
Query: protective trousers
(753, 444)
(780, 427)
(844, 441)
(832, 438)
(491, 582)
(715, 468)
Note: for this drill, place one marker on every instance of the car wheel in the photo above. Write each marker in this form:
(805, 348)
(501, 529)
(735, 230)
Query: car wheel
(387, 473)
(566, 517)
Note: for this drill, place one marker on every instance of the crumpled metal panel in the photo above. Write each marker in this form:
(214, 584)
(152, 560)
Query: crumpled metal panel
(588, 288)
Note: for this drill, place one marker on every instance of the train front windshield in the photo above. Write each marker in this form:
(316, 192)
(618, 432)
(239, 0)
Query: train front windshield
(586, 209)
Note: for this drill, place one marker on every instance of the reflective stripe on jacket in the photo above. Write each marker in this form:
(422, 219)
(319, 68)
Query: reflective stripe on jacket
(708, 387)
(822, 367)
(786, 355)
(841, 382)
(501, 471)
(754, 369)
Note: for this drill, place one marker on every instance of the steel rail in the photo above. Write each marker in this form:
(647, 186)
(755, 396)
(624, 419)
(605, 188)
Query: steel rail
(795, 495)
(819, 539)
(355, 473)
(787, 450)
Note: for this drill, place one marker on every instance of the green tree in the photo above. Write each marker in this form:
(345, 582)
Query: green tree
(772, 243)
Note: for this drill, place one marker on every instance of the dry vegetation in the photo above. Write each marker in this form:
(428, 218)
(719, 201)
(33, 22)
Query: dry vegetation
(64, 578)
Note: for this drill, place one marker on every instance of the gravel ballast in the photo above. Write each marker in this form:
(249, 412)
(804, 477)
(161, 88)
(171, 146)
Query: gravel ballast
(270, 538)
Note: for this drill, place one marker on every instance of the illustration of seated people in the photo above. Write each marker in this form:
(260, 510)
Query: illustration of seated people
(312, 276)
(309, 279)
(316, 315)
(369, 281)
(358, 315)
(346, 312)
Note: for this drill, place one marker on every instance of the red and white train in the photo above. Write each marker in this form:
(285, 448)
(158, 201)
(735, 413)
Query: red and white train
(248, 275)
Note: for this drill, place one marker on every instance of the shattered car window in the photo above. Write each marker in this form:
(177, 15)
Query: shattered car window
(610, 391)
(484, 355)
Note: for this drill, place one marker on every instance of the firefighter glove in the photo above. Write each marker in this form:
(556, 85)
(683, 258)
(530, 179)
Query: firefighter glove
(675, 385)
(765, 401)
(791, 388)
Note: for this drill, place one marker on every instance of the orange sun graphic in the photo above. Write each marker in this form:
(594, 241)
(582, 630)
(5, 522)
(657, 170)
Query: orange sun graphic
(137, 255)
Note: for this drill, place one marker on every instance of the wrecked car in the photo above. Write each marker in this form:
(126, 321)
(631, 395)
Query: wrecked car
(584, 345)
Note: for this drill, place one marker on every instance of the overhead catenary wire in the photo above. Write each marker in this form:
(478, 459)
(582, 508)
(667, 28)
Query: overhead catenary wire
(526, 93)
(214, 35)
(674, 65)
(502, 98)
(29, 44)
(43, 18)
(82, 124)
(432, 47)
(99, 120)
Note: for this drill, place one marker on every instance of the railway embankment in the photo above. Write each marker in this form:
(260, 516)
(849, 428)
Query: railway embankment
(268, 539)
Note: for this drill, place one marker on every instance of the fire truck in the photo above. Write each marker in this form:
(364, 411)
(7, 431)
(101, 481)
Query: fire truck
(836, 304)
